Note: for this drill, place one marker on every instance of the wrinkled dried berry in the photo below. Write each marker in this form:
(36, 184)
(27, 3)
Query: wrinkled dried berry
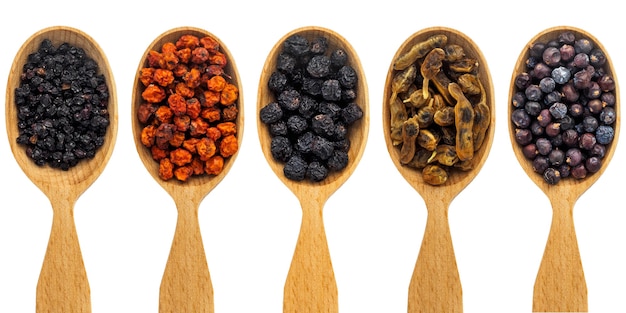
(314, 108)
(295, 168)
(271, 113)
(604, 134)
(62, 105)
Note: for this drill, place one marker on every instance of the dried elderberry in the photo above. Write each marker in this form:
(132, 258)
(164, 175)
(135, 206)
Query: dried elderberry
(62, 104)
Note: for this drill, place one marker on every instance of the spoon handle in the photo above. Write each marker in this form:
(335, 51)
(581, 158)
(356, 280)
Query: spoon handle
(560, 285)
(435, 285)
(63, 284)
(186, 284)
(310, 285)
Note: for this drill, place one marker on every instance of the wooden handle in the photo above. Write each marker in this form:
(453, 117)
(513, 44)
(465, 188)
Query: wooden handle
(63, 285)
(186, 285)
(560, 284)
(435, 285)
(310, 285)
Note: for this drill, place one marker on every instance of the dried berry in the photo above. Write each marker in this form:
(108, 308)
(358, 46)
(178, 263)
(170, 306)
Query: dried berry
(318, 107)
(194, 122)
(62, 104)
(575, 119)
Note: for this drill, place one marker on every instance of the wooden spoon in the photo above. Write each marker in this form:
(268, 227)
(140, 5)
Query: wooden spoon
(310, 285)
(435, 285)
(63, 284)
(560, 285)
(186, 284)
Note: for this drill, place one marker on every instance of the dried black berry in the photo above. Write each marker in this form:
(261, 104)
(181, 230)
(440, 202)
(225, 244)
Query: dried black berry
(295, 168)
(316, 171)
(552, 176)
(296, 45)
(271, 113)
(281, 148)
(62, 106)
(315, 91)
(319, 66)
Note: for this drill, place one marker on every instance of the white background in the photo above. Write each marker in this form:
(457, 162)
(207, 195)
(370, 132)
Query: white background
(250, 222)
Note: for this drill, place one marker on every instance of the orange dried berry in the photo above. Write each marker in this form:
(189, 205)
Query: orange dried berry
(169, 60)
(198, 127)
(211, 114)
(187, 41)
(227, 128)
(146, 75)
(205, 148)
(148, 135)
(214, 165)
(180, 70)
(154, 58)
(164, 114)
(218, 58)
(183, 90)
(216, 83)
(168, 47)
(213, 133)
(181, 122)
(166, 169)
(177, 104)
(157, 153)
(229, 113)
(190, 145)
(210, 43)
(183, 173)
(199, 55)
(193, 108)
(178, 139)
(163, 77)
(211, 98)
(229, 146)
(145, 112)
(229, 94)
(180, 156)
(197, 166)
(192, 78)
(184, 55)
(153, 94)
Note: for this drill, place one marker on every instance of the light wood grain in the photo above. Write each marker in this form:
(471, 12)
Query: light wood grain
(186, 285)
(310, 285)
(560, 285)
(435, 285)
(63, 285)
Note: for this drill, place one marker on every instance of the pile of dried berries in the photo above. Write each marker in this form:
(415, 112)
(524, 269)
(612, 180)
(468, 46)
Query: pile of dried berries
(439, 114)
(563, 111)
(62, 105)
(315, 92)
(190, 109)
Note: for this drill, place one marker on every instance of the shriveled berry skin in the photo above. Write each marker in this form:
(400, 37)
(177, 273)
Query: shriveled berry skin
(568, 134)
(315, 88)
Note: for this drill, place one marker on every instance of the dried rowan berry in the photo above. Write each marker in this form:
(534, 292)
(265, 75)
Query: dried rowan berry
(188, 127)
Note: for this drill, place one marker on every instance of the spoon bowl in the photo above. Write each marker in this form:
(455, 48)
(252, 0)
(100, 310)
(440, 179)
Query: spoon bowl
(63, 261)
(186, 284)
(435, 285)
(560, 284)
(310, 285)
